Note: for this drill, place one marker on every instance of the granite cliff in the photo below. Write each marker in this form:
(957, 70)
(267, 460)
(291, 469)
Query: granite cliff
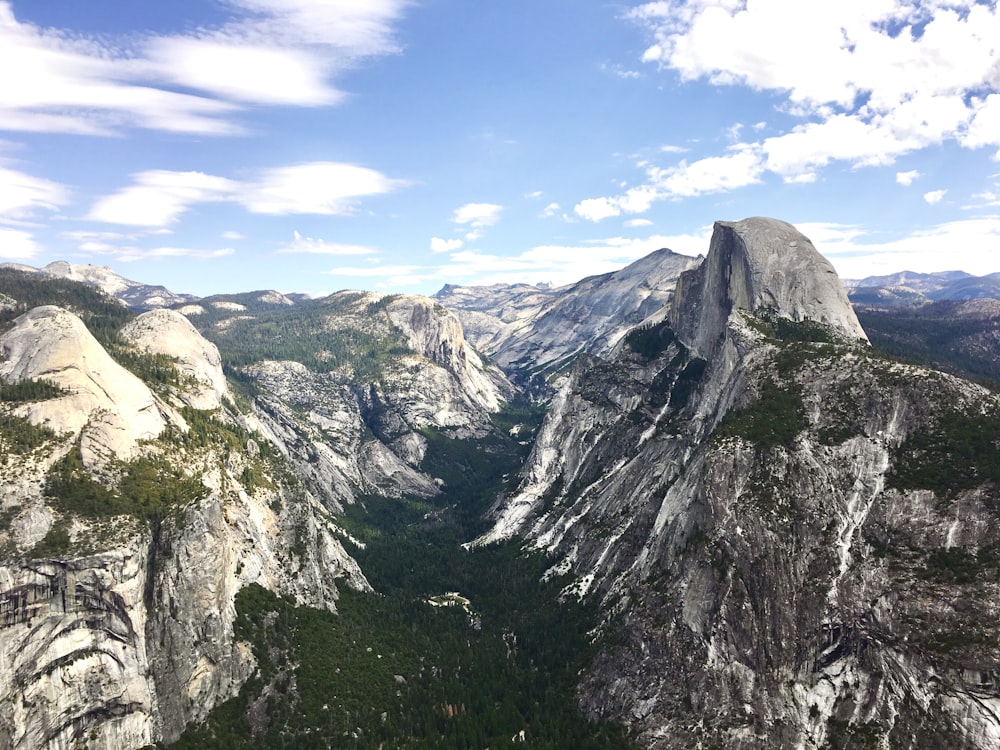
(772, 520)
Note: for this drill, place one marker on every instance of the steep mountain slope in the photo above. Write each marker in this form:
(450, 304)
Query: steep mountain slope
(792, 540)
(129, 520)
(540, 330)
(962, 338)
(135, 294)
(352, 386)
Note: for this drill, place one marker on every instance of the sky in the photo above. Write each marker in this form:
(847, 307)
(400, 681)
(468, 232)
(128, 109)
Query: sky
(217, 146)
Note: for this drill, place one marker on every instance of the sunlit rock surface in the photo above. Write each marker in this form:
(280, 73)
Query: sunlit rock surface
(767, 583)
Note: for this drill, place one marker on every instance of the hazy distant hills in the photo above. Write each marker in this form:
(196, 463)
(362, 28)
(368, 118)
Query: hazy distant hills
(909, 289)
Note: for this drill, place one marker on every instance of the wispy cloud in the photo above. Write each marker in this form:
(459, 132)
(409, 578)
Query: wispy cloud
(158, 198)
(272, 52)
(312, 246)
(558, 264)
(968, 245)
(16, 244)
(23, 196)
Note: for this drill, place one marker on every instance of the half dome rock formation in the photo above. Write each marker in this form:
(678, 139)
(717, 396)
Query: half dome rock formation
(768, 514)
(110, 406)
(759, 264)
(169, 333)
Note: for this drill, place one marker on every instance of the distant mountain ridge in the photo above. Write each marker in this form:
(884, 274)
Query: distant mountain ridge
(909, 289)
(135, 294)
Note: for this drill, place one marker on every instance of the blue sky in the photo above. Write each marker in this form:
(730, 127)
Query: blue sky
(316, 145)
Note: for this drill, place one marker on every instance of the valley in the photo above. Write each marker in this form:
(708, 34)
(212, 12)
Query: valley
(694, 502)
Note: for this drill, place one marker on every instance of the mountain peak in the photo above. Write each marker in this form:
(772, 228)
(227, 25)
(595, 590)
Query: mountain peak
(759, 263)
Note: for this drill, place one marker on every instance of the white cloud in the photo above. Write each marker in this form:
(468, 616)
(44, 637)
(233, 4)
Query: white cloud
(317, 188)
(128, 253)
(550, 210)
(159, 197)
(477, 215)
(907, 178)
(597, 209)
(638, 223)
(231, 235)
(713, 174)
(311, 246)
(558, 264)
(934, 196)
(271, 52)
(439, 245)
(874, 80)
(17, 245)
(22, 195)
(969, 245)
(372, 271)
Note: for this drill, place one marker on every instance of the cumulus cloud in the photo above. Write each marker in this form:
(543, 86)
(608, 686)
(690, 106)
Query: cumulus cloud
(477, 215)
(158, 198)
(934, 196)
(439, 245)
(871, 81)
(271, 52)
(907, 178)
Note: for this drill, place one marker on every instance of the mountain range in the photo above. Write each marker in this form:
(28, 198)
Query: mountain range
(697, 502)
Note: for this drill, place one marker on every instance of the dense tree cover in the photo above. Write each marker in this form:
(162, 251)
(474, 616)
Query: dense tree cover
(650, 340)
(390, 670)
(146, 487)
(957, 451)
(303, 333)
(18, 436)
(30, 390)
(773, 419)
(931, 337)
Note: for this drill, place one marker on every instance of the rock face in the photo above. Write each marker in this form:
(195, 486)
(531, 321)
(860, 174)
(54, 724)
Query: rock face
(169, 333)
(110, 406)
(539, 330)
(116, 625)
(360, 427)
(751, 496)
(759, 264)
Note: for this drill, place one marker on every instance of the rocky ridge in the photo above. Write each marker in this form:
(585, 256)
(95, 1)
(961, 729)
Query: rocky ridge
(746, 492)
(116, 623)
(538, 330)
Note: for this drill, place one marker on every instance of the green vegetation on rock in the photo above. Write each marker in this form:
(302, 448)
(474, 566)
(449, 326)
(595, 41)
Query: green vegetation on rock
(774, 418)
(958, 450)
(146, 487)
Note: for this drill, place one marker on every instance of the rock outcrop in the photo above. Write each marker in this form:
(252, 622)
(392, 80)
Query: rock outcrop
(116, 617)
(110, 406)
(539, 330)
(751, 496)
(169, 333)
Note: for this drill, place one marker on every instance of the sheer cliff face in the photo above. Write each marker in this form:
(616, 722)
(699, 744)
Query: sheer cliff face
(116, 628)
(540, 330)
(759, 264)
(783, 557)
